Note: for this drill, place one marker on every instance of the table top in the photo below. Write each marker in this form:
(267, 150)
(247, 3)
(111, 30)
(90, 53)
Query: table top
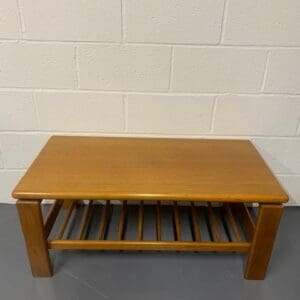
(73, 167)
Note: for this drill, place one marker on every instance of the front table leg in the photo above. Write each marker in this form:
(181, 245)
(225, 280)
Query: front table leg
(36, 243)
(262, 243)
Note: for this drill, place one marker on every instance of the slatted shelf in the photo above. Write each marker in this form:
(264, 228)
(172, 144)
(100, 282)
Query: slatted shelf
(194, 227)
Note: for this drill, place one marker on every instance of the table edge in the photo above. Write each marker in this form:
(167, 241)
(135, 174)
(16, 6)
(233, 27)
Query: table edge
(148, 197)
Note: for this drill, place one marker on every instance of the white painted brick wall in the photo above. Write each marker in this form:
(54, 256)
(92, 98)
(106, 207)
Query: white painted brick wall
(69, 20)
(282, 154)
(218, 69)
(37, 65)
(169, 21)
(17, 111)
(19, 150)
(262, 22)
(133, 68)
(10, 24)
(184, 68)
(291, 184)
(257, 115)
(1, 161)
(80, 112)
(169, 114)
(8, 179)
(283, 74)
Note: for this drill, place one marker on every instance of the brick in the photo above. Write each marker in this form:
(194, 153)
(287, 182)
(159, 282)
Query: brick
(218, 69)
(10, 26)
(262, 22)
(169, 21)
(291, 184)
(282, 155)
(93, 20)
(89, 112)
(8, 180)
(1, 159)
(257, 115)
(37, 65)
(18, 111)
(169, 114)
(137, 68)
(19, 150)
(283, 73)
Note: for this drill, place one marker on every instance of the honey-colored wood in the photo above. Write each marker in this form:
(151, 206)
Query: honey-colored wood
(110, 168)
(263, 240)
(75, 168)
(149, 245)
(35, 239)
(141, 220)
(195, 223)
(67, 204)
(259, 249)
(214, 223)
(105, 219)
(51, 216)
(66, 220)
(245, 218)
(122, 222)
(232, 222)
(176, 218)
(158, 222)
(84, 221)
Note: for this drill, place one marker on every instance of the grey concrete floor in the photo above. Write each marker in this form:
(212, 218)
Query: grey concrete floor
(148, 275)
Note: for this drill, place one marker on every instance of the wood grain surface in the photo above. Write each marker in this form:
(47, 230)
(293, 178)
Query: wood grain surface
(73, 167)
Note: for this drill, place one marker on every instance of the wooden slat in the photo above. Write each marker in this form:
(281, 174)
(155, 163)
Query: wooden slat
(231, 221)
(176, 222)
(68, 203)
(158, 221)
(122, 222)
(84, 220)
(245, 219)
(141, 220)
(105, 219)
(66, 220)
(149, 245)
(195, 223)
(51, 216)
(214, 223)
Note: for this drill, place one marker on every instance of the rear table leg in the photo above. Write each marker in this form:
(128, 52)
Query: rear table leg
(263, 240)
(35, 239)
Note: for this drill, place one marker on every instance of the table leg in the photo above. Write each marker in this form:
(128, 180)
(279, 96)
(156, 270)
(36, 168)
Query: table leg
(262, 243)
(34, 234)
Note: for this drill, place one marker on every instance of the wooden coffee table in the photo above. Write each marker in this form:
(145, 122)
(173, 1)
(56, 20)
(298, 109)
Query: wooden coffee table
(210, 179)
